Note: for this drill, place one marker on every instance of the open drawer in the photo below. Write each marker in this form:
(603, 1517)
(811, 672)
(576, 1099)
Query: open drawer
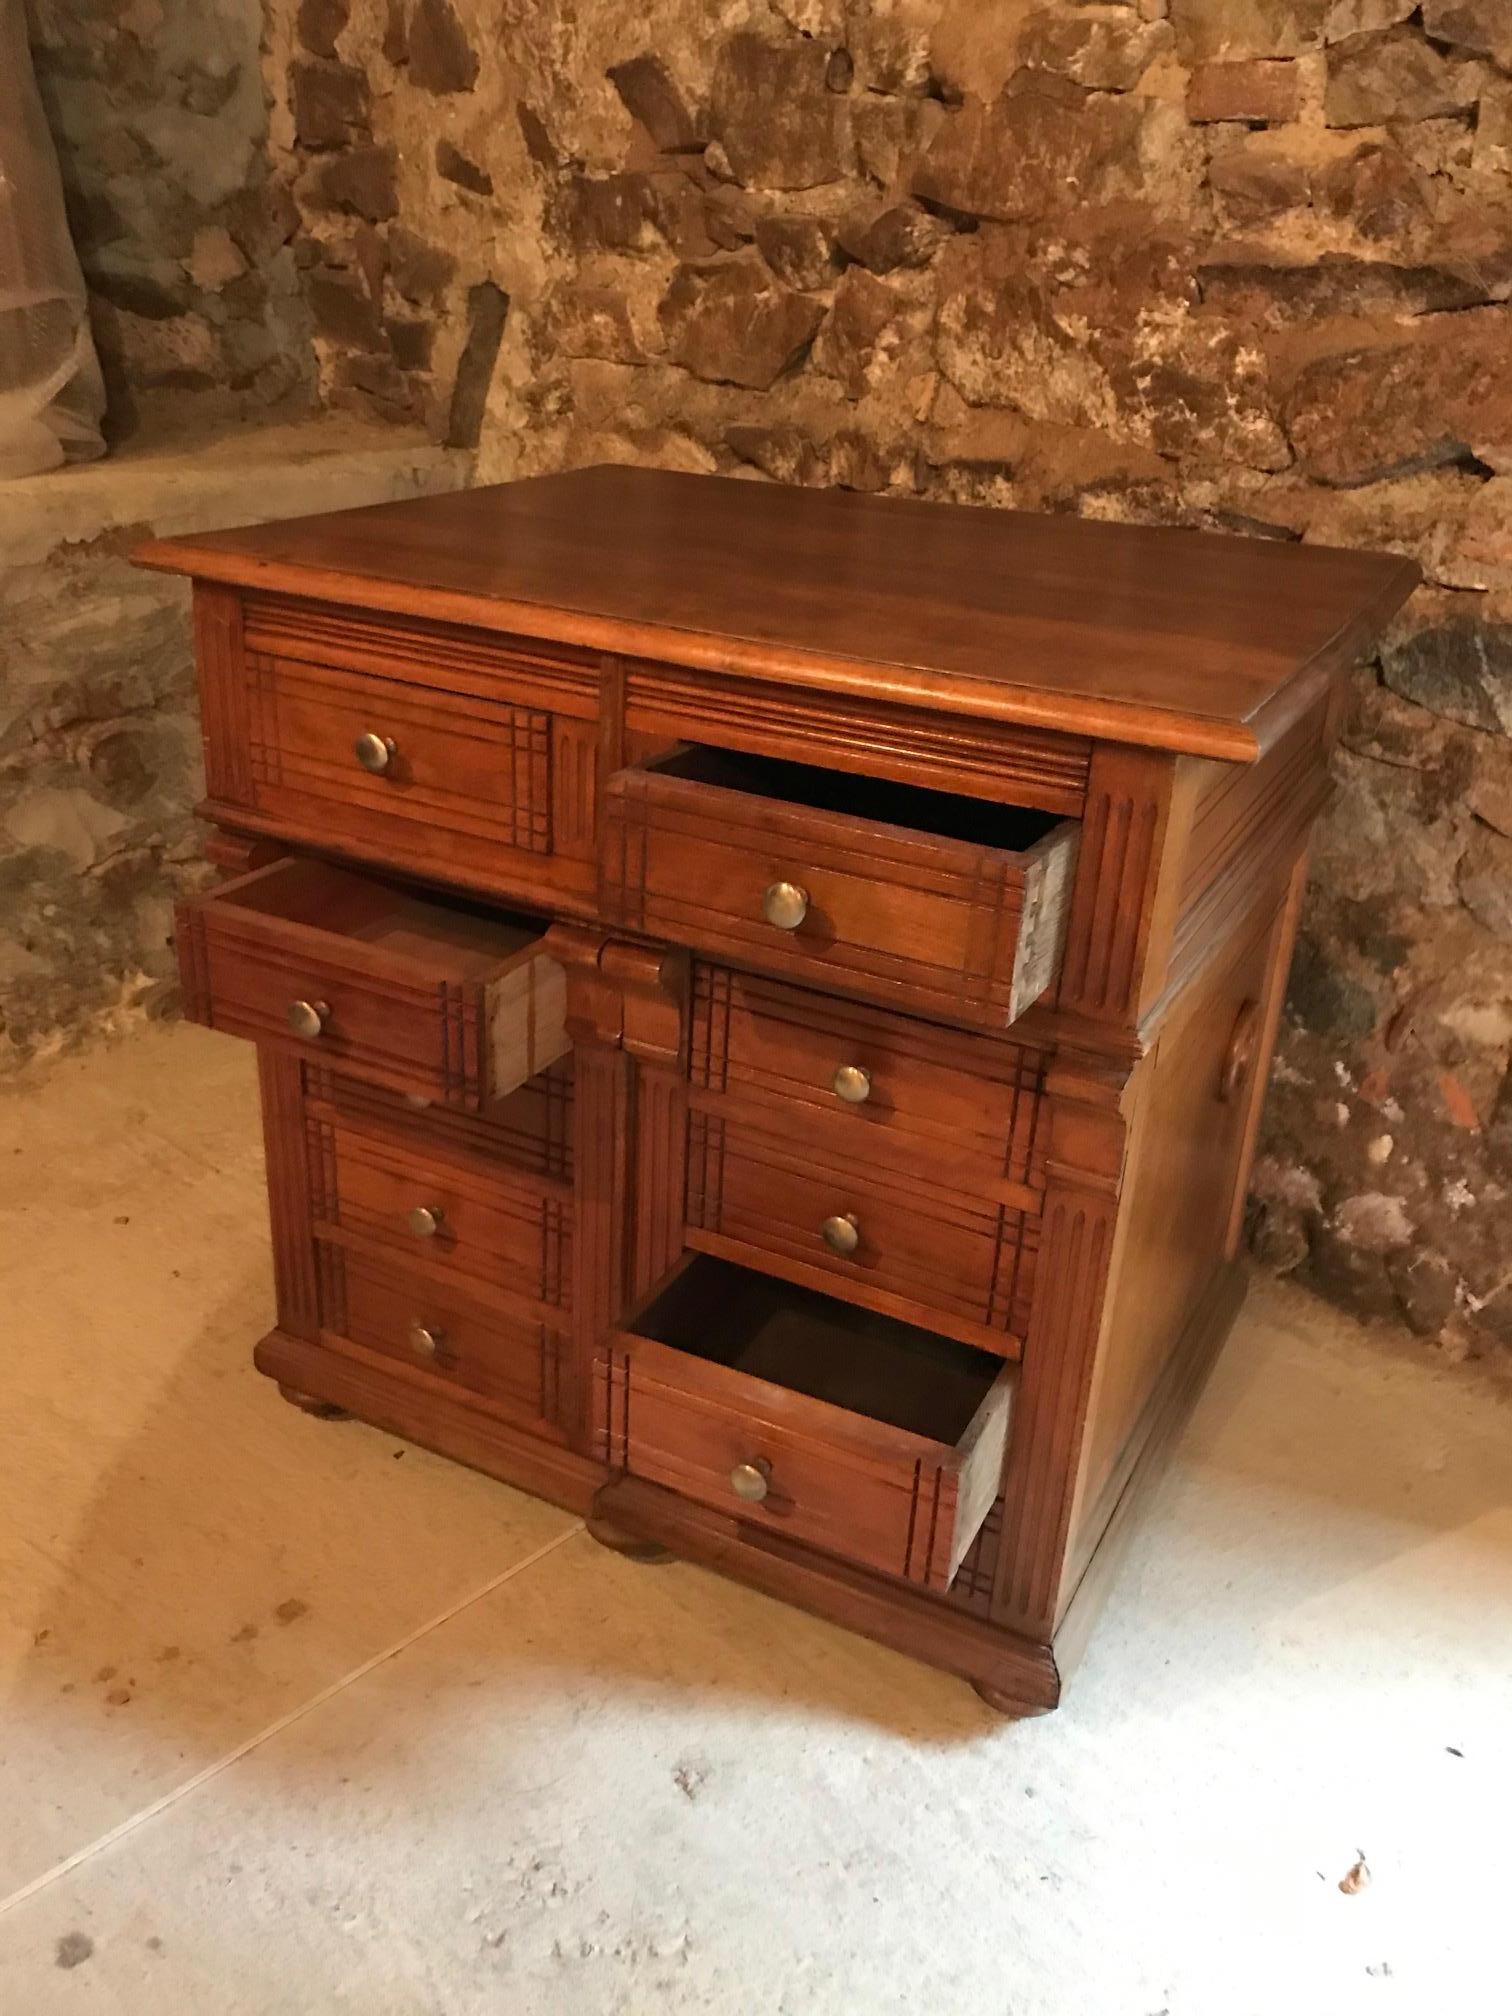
(950, 906)
(850, 1432)
(442, 1001)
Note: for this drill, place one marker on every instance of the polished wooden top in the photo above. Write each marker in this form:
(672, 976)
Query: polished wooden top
(1180, 640)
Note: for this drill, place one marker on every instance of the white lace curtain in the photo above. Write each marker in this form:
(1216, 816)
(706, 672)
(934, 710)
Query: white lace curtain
(51, 395)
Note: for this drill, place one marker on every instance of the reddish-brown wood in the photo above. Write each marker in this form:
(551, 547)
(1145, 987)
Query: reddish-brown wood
(870, 1439)
(939, 920)
(798, 1212)
(766, 1197)
(1174, 639)
(963, 1108)
(415, 996)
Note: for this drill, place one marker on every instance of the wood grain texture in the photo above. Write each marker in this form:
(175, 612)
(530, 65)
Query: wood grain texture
(414, 1404)
(1084, 1166)
(220, 658)
(915, 919)
(499, 1229)
(966, 1261)
(290, 1212)
(986, 759)
(1110, 942)
(1187, 1141)
(1169, 639)
(467, 776)
(513, 1365)
(862, 1456)
(413, 996)
(963, 1107)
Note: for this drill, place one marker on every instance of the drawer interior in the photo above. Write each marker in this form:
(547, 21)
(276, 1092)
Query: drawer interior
(827, 1350)
(471, 940)
(877, 800)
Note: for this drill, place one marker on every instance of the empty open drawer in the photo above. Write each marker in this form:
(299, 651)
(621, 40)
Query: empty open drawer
(438, 1000)
(847, 1431)
(950, 906)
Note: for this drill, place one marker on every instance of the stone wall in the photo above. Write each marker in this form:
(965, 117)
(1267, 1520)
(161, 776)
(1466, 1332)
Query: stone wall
(161, 122)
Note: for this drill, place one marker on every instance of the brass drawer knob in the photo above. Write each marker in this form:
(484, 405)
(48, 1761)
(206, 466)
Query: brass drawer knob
(750, 1481)
(785, 905)
(308, 1018)
(426, 1220)
(425, 1341)
(841, 1234)
(375, 752)
(852, 1084)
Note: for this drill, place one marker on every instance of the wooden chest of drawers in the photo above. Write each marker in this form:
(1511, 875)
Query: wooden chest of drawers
(763, 1000)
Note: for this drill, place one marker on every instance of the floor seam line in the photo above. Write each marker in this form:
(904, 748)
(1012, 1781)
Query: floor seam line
(202, 1777)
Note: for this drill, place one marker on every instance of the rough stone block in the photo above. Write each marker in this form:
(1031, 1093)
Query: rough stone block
(799, 250)
(734, 324)
(1102, 48)
(1254, 93)
(1046, 148)
(362, 183)
(1438, 395)
(651, 95)
(769, 108)
(440, 56)
(452, 165)
(1395, 76)
(901, 236)
(487, 310)
(330, 104)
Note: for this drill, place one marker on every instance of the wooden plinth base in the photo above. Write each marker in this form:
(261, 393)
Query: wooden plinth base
(311, 1403)
(1013, 1674)
(630, 1546)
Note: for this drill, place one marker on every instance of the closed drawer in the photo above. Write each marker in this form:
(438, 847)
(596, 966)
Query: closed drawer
(530, 1128)
(950, 906)
(876, 1084)
(874, 1231)
(411, 1318)
(868, 1438)
(438, 781)
(439, 1001)
(488, 1230)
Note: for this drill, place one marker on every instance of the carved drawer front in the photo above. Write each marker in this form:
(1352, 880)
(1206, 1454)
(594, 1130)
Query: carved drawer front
(870, 1229)
(808, 1419)
(950, 906)
(529, 1129)
(415, 775)
(439, 1001)
(409, 1317)
(876, 1085)
(485, 1229)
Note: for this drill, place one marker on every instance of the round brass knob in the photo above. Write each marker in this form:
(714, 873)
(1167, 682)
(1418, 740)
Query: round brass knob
(852, 1084)
(750, 1481)
(841, 1235)
(426, 1220)
(375, 752)
(308, 1018)
(425, 1341)
(785, 905)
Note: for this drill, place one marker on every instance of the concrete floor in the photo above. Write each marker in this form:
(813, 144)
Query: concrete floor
(298, 1720)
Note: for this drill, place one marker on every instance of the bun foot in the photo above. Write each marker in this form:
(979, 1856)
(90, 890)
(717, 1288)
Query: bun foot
(629, 1545)
(1004, 1704)
(307, 1403)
